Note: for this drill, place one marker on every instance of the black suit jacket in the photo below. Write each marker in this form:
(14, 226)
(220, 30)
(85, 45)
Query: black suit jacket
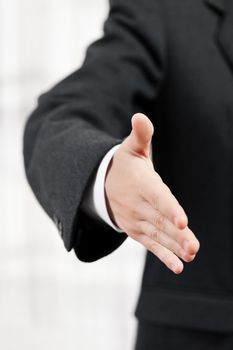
(173, 60)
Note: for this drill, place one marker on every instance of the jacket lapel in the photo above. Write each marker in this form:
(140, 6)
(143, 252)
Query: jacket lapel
(225, 30)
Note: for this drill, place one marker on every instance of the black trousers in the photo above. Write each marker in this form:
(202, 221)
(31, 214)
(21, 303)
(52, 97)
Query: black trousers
(156, 337)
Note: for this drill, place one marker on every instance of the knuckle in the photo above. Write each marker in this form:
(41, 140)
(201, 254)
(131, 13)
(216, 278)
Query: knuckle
(163, 256)
(153, 248)
(154, 234)
(159, 221)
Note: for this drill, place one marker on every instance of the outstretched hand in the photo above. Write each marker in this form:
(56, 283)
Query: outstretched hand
(141, 204)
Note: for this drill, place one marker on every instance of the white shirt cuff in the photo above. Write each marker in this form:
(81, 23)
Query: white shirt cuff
(99, 189)
(94, 201)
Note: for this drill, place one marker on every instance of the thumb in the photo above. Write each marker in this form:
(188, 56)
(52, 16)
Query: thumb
(140, 137)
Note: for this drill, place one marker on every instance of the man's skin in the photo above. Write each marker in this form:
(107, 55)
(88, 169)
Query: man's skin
(141, 204)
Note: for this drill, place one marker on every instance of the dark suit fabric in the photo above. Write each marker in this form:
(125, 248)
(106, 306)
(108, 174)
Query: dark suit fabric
(151, 336)
(172, 60)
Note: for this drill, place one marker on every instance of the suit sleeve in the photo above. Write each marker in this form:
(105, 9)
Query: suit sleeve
(80, 118)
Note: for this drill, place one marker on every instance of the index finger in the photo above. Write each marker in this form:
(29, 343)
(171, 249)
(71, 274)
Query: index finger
(158, 194)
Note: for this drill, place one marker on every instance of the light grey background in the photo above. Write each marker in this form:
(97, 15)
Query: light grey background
(48, 298)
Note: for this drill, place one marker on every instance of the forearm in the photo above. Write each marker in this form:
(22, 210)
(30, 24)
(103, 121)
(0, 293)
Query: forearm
(78, 120)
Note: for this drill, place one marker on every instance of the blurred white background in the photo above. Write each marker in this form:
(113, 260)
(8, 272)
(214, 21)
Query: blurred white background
(48, 298)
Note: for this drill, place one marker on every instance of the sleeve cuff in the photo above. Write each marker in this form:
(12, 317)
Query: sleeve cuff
(99, 201)
(94, 202)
